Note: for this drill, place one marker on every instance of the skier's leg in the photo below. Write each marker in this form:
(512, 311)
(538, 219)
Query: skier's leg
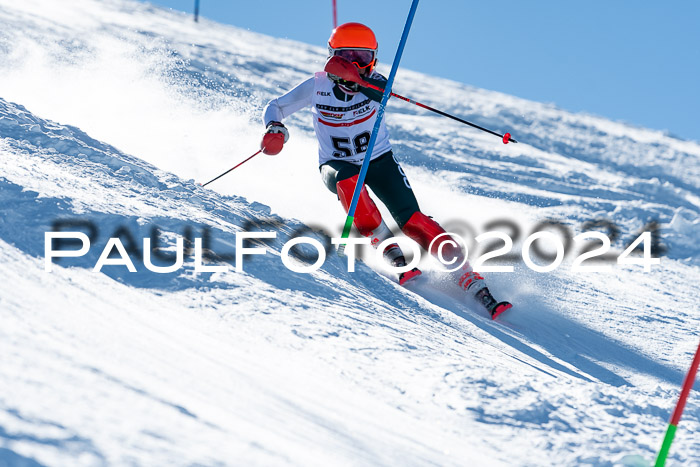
(388, 180)
(424, 230)
(367, 215)
(368, 219)
(341, 178)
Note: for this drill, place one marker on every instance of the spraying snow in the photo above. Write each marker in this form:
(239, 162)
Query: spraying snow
(109, 112)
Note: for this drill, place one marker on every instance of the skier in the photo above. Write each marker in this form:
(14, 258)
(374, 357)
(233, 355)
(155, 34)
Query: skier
(343, 117)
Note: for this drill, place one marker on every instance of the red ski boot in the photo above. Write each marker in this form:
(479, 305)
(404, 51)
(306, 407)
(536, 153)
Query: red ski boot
(490, 303)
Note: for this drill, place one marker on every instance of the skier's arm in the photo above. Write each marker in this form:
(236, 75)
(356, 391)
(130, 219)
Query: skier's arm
(296, 99)
(277, 109)
(377, 80)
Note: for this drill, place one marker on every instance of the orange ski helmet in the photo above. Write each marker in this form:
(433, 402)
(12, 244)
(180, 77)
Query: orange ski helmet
(355, 42)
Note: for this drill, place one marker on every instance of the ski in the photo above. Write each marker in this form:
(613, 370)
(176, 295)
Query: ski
(408, 276)
(499, 309)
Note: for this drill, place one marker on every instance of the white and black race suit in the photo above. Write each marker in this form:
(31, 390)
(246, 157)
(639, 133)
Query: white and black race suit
(343, 128)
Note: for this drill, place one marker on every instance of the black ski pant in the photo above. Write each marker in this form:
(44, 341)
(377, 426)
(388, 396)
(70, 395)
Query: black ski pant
(385, 178)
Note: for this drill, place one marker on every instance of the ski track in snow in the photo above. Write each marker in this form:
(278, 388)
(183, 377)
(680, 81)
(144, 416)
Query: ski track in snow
(108, 113)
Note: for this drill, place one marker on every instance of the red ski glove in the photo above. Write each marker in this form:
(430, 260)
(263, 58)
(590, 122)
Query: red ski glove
(274, 138)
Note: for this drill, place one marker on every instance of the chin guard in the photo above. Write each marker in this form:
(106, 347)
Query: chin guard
(344, 84)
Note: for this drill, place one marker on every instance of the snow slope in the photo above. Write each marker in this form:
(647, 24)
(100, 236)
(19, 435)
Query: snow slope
(108, 113)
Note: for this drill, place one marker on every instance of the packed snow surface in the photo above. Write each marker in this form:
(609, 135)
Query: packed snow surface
(112, 111)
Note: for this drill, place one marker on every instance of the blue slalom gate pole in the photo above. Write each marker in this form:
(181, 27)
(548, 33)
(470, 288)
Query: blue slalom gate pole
(375, 130)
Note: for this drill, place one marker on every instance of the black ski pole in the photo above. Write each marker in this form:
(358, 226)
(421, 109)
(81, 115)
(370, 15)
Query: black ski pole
(229, 170)
(344, 69)
(506, 137)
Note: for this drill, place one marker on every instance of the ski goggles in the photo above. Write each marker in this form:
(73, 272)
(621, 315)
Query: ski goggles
(362, 58)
